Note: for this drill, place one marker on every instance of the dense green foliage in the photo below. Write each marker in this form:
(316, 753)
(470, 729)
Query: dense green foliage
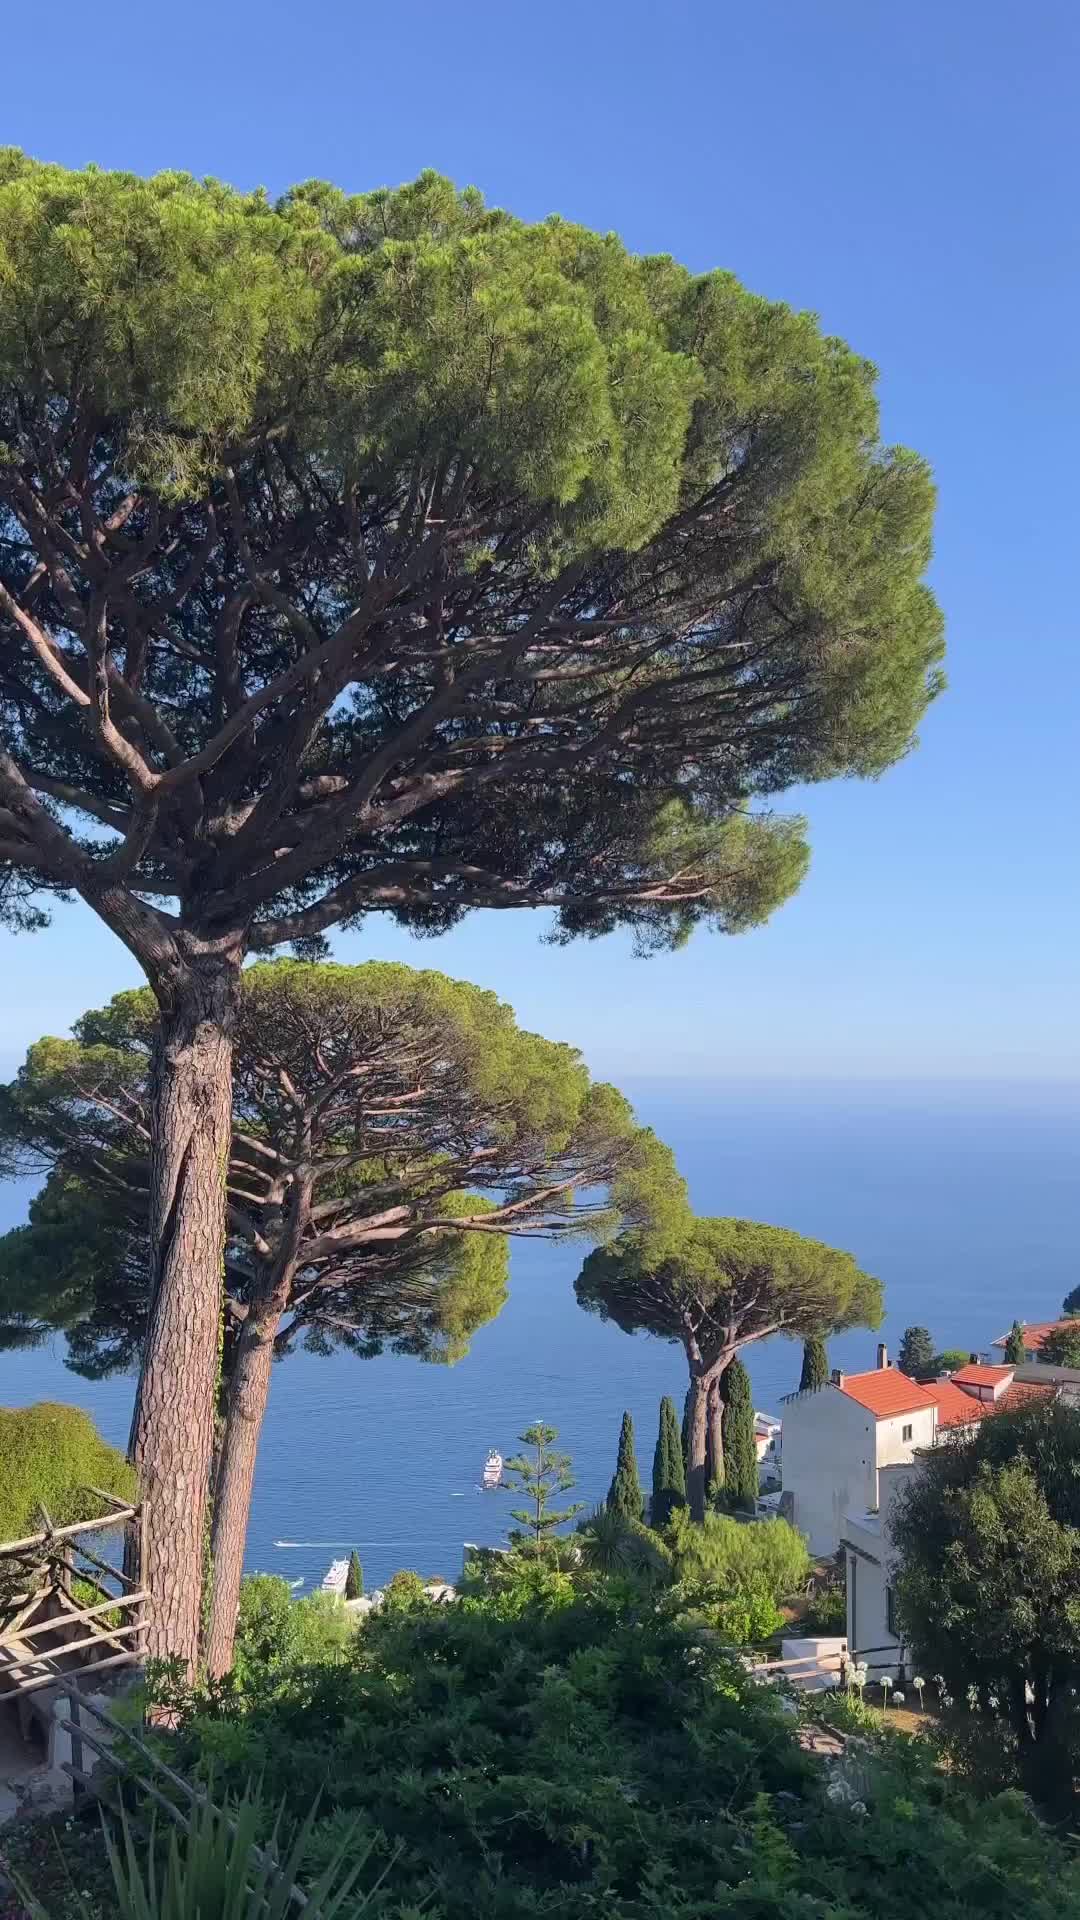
(724, 1552)
(354, 1582)
(988, 1538)
(340, 422)
(1014, 1344)
(560, 1752)
(275, 1633)
(1071, 1302)
(1061, 1347)
(398, 1084)
(624, 1494)
(541, 1474)
(917, 1353)
(49, 1455)
(725, 1282)
(815, 1364)
(669, 1467)
(740, 1452)
(827, 1610)
(950, 1360)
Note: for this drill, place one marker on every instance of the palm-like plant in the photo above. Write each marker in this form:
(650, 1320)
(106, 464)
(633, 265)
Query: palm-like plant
(612, 1544)
(217, 1871)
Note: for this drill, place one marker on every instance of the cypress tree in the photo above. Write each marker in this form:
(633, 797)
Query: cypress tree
(815, 1364)
(740, 1452)
(625, 1495)
(1014, 1345)
(669, 1468)
(917, 1354)
(354, 1579)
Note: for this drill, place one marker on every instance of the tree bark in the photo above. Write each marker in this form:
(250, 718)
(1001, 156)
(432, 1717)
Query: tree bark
(245, 1409)
(705, 1389)
(695, 1474)
(172, 1432)
(249, 1392)
(714, 1461)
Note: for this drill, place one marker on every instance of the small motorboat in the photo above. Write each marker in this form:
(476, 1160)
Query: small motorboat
(493, 1466)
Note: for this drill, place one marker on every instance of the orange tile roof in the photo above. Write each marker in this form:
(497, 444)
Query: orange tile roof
(955, 1408)
(981, 1376)
(1037, 1332)
(1020, 1393)
(886, 1391)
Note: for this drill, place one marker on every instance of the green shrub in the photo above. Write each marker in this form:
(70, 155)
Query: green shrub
(404, 1592)
(827, 1611)
(275, 1633)
(728, 1553)
(50, 1455)
(590, 1757)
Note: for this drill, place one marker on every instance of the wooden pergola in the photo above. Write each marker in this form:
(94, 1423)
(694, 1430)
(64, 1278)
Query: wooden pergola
(50, 1633)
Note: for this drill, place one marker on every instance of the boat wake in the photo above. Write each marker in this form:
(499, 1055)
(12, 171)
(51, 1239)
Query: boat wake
(311, 1543)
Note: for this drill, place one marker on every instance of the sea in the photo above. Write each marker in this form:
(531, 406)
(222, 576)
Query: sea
(962, 1199)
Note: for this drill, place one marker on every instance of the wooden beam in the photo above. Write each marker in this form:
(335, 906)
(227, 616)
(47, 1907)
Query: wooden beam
(67, 1533)
(76, 1615)
(63, 1679)
(121, 1505)
(115, 1573)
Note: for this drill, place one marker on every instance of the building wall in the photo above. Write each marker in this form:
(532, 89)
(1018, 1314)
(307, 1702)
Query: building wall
(830, 1463)
(893, 1448)
(873, 1634)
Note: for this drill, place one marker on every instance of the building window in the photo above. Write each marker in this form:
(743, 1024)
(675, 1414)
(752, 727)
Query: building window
(890, 1613)
(907, 1432)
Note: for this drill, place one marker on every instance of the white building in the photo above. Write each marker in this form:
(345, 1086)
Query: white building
(837, 1438)
(960, 1403)
(768, 1434)
(873, 1635)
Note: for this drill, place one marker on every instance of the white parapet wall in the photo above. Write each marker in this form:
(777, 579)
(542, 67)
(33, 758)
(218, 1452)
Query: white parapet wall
(813, 1664)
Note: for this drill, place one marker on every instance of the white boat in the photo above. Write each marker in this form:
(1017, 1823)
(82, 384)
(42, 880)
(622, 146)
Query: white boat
(493, 1467)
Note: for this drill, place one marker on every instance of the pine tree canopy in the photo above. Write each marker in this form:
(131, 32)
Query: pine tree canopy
(368, 1102)
(714, 1284)
(389, 553)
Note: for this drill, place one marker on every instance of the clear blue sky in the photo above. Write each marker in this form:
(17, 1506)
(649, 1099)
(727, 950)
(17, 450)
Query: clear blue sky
(909, 173)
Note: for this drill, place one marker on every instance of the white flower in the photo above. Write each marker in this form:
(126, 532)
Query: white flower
(898, 1698)
(993, 1702)
(919, 1682)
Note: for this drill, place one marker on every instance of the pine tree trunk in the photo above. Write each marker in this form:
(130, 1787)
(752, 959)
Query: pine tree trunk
(705, 1396)
(695, 1477)
(249, 1392)
(245, 1408)
(172, 1433)
(715, 1475)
